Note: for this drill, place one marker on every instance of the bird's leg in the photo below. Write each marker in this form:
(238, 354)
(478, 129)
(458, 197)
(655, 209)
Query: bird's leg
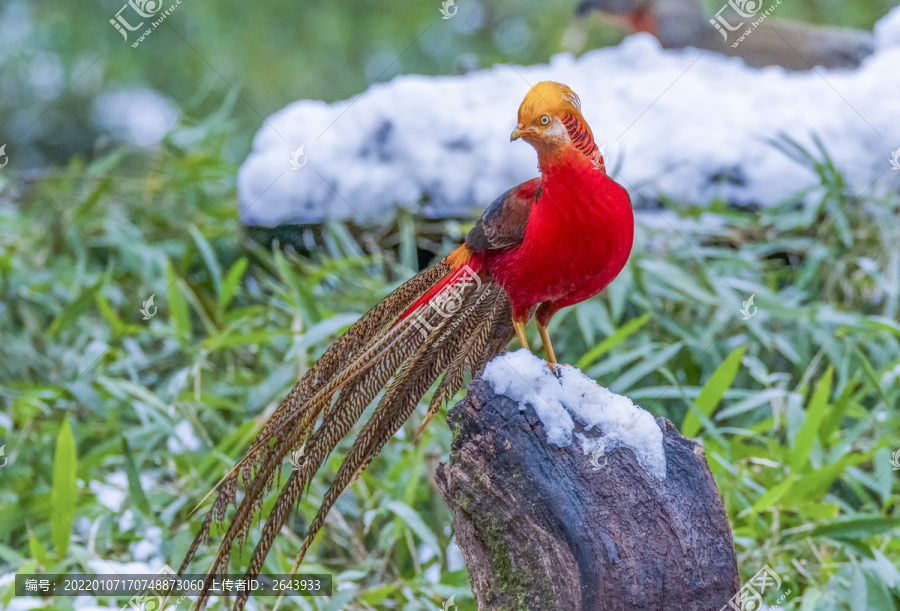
(542, 317)
(548, 347)
(520, 333)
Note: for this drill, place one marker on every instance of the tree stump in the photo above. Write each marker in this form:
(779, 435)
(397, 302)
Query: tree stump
(543, 527)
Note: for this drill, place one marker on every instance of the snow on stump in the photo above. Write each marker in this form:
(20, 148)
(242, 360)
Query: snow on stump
(567, 496)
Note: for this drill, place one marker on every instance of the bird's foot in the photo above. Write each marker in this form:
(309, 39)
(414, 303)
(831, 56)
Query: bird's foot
(554, 369)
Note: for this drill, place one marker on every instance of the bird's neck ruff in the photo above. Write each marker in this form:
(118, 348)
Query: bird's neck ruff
(580, 133)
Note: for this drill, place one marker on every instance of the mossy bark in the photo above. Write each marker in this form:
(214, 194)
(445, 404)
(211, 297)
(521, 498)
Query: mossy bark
(541, 528)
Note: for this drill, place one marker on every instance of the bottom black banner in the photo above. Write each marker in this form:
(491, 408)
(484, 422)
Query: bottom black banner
(167, 582)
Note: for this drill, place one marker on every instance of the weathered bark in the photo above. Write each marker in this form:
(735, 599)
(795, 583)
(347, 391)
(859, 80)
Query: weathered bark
(543, 528)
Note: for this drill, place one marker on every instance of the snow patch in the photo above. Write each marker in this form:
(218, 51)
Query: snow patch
(140, 116)
(686, 124)
(111, 494)
(455, 559)
(148, 548)
(185, 439)
(609, 420)
(887, 31)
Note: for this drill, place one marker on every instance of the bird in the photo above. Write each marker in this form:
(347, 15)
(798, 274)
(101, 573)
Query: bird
(548, 243)
(777, 42)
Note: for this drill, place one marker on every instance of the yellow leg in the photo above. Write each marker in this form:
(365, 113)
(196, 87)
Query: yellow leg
(520, 333)
(548, 347)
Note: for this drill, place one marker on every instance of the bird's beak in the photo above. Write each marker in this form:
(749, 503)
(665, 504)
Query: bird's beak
(520, 132)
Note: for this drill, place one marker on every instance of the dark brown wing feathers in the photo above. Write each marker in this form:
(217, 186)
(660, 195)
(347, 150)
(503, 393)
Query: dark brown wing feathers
(503, 223)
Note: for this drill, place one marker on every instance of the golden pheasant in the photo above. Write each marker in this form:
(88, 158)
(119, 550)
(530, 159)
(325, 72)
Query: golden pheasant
(790, 44)
(548, 243)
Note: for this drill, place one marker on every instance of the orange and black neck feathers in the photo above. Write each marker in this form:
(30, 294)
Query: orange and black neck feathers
(581, 135)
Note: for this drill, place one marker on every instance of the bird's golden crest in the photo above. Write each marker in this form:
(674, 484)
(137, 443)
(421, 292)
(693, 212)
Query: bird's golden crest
(550, 98)
(549, 102)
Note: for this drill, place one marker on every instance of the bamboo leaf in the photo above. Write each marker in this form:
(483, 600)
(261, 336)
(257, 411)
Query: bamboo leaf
(226, 340)
(135, 489)
(883, 477)
(832, 420)
(813, 484)
(772, 496)
(209, 258)
(857, 528)
(63, 490)
(231, 283)
(301, 292)
(612, 341)
(39, 552)
(118, 327)
(415, 523)
(815, 412)
(72, 311)
(178, 310)
(712, 392)
(652, 363)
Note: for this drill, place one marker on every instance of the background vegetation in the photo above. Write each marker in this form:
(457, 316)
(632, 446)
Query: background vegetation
(57, 59)
(115, 427)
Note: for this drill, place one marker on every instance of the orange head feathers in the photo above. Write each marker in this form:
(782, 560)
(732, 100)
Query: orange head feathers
(548, 97)
(550, 118)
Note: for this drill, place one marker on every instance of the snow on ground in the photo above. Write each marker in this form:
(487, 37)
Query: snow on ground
(559, 402)
(185, 439)
(141, 116)
(682, 123)
(111, 494)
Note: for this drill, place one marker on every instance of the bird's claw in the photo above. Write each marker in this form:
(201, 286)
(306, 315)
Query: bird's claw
(554, 368)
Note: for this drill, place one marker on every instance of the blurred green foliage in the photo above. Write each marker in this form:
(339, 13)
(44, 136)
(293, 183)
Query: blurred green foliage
(797, 407)
(56, 58)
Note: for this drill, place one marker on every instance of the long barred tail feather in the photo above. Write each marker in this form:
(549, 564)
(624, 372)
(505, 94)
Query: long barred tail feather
(406, 337)
(419, 372)
(476, 331)
(347, 348)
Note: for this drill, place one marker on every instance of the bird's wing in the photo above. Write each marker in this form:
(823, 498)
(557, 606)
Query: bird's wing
(503, 223)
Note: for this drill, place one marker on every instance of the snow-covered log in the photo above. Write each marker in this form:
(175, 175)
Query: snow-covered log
(567, 496)
(687, 124)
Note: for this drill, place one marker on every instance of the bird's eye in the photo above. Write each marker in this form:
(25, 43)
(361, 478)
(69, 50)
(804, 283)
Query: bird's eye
(545, 120)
